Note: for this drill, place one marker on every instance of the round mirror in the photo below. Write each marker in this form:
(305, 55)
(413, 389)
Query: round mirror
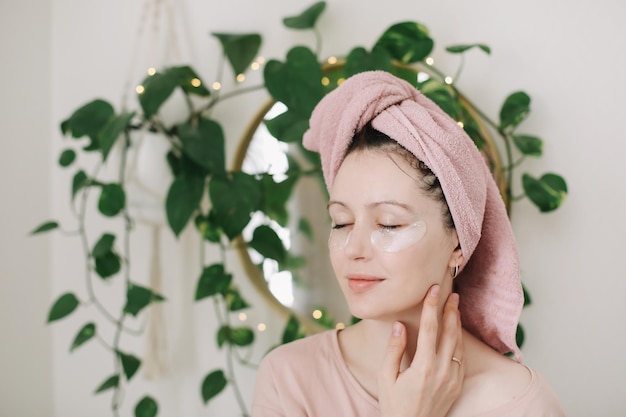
(305, 285)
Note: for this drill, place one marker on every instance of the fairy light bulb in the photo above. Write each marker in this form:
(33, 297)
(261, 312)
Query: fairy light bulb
(340, 326)
(255, 66)
(332, 60)
(196, 82)
(325, 81)
(260, 60)
(317, 314)
(243, 316)
(460, 123)
(140, 89)
(261, 327)
(216, 85)
(151, 71)
(241, 78)
(430, 61)
(340, 81)
(448, 80)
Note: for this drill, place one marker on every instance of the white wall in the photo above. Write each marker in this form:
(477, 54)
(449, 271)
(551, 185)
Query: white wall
(567, 55)
(25, 351)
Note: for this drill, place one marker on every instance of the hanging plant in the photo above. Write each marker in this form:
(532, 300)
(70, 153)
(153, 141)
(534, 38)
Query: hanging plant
(218, 202)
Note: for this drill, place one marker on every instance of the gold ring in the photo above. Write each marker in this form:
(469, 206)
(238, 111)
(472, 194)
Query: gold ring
(457, 360)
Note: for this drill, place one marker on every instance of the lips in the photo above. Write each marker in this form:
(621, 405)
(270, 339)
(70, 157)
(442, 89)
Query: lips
(361, 284)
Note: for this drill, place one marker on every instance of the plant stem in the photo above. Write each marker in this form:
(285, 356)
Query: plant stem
(228, 95)
(82, 214)
(128, 226)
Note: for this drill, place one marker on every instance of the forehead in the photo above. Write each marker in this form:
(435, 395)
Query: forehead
(370, 176)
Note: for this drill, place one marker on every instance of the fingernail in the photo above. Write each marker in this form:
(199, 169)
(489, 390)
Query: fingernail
(454, 298)
(434, 291)
(396, 330)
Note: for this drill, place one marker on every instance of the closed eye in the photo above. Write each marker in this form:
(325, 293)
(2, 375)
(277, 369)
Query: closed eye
(339, 226)
(389, 227)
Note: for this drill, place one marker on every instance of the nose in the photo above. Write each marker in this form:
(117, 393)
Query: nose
(359, 244)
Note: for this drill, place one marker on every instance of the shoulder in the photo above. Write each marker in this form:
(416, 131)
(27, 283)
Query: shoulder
(511, 390)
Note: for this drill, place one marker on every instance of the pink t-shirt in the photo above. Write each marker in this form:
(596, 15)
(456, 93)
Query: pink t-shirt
(309, 378)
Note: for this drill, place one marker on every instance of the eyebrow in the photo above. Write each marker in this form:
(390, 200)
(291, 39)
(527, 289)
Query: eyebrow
(374, 204)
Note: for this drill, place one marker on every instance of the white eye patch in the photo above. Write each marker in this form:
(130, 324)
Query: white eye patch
(385, 240)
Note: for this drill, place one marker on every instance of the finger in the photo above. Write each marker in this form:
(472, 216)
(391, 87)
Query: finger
(395, 350)
(427, 337)
(449, 337)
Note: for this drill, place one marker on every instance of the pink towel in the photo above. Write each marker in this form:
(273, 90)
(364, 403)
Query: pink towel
(489, 285)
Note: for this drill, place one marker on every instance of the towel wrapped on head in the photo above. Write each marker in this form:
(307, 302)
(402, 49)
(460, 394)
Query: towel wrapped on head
(489, 282)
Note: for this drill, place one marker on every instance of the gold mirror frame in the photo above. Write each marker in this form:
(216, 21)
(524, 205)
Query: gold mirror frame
(309, 325)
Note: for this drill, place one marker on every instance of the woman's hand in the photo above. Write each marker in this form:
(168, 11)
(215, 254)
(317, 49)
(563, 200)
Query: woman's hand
(433, 381)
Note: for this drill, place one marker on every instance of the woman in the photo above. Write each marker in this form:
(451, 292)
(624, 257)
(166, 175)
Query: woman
(420, 243)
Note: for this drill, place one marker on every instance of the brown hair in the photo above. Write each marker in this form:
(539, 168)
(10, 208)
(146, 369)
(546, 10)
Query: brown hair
(369, 138)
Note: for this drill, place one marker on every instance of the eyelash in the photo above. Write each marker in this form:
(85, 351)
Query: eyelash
(382, 226)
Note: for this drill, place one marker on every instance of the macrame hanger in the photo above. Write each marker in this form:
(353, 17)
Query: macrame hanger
(156, 31)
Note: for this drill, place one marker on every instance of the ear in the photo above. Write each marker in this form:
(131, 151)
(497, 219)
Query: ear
(456, 258)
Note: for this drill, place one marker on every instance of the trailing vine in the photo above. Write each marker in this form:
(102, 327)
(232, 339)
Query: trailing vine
(219, 202)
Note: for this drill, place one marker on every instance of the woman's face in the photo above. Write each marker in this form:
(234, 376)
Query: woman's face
(388, 244)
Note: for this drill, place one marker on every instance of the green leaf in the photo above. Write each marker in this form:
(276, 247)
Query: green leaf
(514, 110)
(239, 336)
(359, 60)
(112, 131)
(233, 200)
(275, 197)
(138, 297)
(527, 300)
(547, 192)
(306, 19)
(288, 126)
(297, 83)
(63, 307)
(207, 228)
(240, 49)
(459, 49)
(441, 95)
(242, 336)
(407, 42)
(86, 333)
(213, 280)
(183, 199)
(189, 81)
(67, 157)
(157, 89)
(520, 336)
(304, 226)
(112, 200)
(203, 142)
(234, 300)
(79, 181)
(111, 382)
(146, 407)
(45, 227)
(268, 244)
(104, 245)
(89, 119)
(130, 364)
(528, 145)
(107, 265)
(292, 330)
(213, 384)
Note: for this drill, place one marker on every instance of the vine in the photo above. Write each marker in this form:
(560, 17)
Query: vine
(219, 203)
